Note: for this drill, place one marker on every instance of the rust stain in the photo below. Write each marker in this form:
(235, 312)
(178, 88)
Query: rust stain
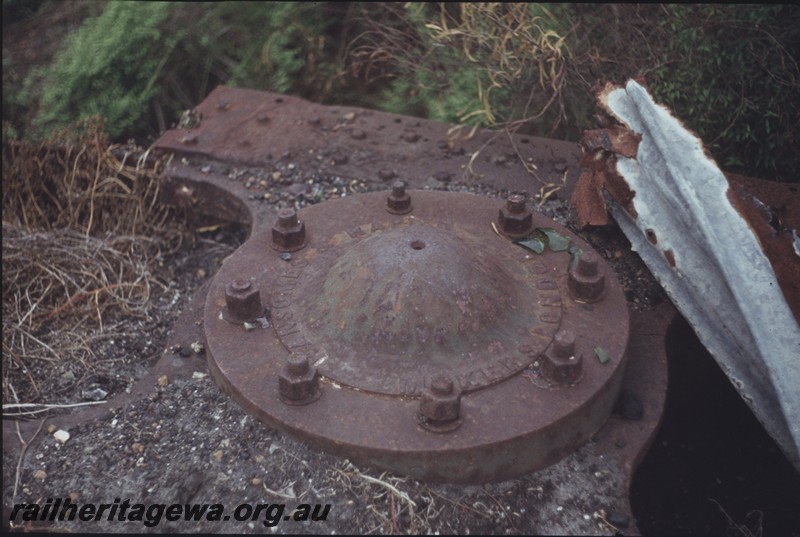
(598, 165)
(588, 196)
(772, 210)
(670, 257)
(617, 139)
(599, 172)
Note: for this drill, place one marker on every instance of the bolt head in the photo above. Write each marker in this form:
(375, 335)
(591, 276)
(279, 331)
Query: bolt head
(442, 385)
(298, 382)
(398, 202)
(243, 301)
(515, 203)
(564, 344)
(297, 365)
(288, 233)
(586, 280)
(515, 218)
(441, 401)
(560, 363)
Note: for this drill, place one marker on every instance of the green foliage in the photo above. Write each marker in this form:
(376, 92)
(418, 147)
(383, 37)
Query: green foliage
(138, 64)
(108, 68)
(736, 83)
(15, 10)
(730, 72)
(459, 62)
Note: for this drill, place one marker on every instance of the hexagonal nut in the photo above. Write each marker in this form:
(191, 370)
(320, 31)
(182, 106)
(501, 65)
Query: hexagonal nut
(398, 202)
(288, 233)
(586, 280)
(243, 301)
(297, 388)
(515, 224)
(440, 406)
(562, 370)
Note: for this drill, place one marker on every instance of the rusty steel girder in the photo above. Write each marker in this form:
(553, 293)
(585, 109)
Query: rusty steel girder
(412, 329)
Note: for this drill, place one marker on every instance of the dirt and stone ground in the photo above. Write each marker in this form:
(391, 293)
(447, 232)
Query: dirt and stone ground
(175, 438)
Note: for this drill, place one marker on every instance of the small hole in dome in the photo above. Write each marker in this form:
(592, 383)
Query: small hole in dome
(417, 245)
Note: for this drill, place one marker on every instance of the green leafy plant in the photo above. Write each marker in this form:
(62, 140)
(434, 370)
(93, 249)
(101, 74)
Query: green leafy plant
(139, 64)
(108, 68)
(736, 83)
(484, 64)
(729, 71)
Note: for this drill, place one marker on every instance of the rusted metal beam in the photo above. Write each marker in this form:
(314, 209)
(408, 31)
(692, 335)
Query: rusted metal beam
(728, 263)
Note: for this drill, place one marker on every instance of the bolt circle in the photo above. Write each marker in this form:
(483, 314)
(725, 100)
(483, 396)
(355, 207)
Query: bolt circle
(365, 417)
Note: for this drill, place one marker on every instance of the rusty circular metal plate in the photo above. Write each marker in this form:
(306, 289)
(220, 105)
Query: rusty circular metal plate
(381, 303)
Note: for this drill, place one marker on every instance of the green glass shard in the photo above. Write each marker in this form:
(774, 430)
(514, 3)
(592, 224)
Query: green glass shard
(558, 242)
(602, 355)
(575, 252)
(534, 245)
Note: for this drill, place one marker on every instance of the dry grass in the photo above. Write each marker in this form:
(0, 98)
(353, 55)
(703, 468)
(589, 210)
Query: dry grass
(79, 255)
